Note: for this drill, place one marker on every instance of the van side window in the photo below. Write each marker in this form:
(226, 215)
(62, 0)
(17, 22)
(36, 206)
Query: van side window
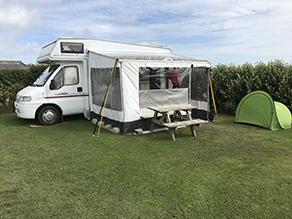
(70, 75)
(66, 76)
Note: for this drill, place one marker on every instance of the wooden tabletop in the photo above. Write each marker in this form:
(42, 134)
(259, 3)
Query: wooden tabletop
(167, 108)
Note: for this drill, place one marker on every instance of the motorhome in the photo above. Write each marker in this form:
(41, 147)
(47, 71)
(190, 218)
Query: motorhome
(146, 74)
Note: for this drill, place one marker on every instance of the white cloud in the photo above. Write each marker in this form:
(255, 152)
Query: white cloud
(12, 50)
(259, 29)
(18, 17)
(255, 31)
(6, 41)
(18, 21)
(30, 48)
(30, 2)
(127, 18)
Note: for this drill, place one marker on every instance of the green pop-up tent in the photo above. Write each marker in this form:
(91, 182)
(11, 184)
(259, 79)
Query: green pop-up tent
(258, 108)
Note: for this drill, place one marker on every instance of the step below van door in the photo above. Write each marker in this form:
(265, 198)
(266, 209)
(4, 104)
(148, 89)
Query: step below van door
(66, 90)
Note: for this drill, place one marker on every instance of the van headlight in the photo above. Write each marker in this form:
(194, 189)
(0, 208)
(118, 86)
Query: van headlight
(24, 98)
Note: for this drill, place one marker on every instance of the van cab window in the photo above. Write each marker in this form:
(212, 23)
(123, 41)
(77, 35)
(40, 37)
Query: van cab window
(42, 79)
(66, 76)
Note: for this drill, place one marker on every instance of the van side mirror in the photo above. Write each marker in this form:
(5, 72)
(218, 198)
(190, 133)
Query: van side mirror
(52, 85)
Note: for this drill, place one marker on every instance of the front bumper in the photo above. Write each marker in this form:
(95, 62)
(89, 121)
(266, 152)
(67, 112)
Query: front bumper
(25, 111)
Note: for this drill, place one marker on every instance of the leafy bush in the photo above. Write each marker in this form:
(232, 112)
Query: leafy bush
(12, 81)
(33, 73)
(231, 83)
(8, 94)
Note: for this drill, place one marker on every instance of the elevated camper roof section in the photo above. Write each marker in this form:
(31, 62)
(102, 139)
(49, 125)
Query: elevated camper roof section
(77, 48)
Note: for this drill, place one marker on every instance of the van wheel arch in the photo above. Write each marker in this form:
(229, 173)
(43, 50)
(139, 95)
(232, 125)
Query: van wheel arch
(49, 114)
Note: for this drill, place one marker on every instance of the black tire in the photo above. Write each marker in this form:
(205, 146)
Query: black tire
(48, 115)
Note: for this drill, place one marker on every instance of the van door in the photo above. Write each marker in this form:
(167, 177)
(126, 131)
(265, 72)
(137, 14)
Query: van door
(66, 90)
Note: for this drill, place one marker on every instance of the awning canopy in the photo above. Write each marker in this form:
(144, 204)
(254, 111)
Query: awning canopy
(145, 56)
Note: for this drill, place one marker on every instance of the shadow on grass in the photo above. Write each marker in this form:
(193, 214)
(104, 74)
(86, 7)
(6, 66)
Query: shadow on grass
(16, 121)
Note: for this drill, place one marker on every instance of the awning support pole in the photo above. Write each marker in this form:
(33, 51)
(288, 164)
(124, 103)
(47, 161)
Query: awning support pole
(213, 98)
(105, 99)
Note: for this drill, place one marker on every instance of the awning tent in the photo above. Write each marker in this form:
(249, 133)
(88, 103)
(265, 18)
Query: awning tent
(141, 80)
(258, 108)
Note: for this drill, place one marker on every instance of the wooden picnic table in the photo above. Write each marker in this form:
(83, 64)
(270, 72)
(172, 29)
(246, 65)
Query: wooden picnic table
(172, 118)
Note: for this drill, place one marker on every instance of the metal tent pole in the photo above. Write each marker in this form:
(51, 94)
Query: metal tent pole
(105, 99)
(213, 96)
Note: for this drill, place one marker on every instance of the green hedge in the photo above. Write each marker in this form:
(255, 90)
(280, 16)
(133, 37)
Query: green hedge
(231, 83)
(12, 81)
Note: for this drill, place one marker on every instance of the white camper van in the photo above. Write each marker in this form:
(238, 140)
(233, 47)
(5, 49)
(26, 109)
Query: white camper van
(77, 77)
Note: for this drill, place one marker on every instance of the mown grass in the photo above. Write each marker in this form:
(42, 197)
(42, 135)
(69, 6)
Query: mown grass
(228, 171)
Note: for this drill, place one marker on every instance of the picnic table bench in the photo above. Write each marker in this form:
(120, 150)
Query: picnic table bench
(174, 118)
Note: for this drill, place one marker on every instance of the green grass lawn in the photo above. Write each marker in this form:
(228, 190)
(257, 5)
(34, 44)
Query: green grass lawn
(228, 171)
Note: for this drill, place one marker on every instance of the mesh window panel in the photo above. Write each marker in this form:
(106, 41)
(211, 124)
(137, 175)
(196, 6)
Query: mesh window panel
(99, 83)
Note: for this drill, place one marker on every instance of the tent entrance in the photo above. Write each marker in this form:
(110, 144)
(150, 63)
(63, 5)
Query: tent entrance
(173, 85)
(161, 97)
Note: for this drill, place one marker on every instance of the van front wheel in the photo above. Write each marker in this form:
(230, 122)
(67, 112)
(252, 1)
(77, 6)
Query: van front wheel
(48, 115)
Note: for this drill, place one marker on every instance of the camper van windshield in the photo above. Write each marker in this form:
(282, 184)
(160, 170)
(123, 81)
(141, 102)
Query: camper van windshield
(45, 76)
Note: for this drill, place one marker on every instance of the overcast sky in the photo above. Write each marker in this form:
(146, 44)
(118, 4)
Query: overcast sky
(225, 31)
